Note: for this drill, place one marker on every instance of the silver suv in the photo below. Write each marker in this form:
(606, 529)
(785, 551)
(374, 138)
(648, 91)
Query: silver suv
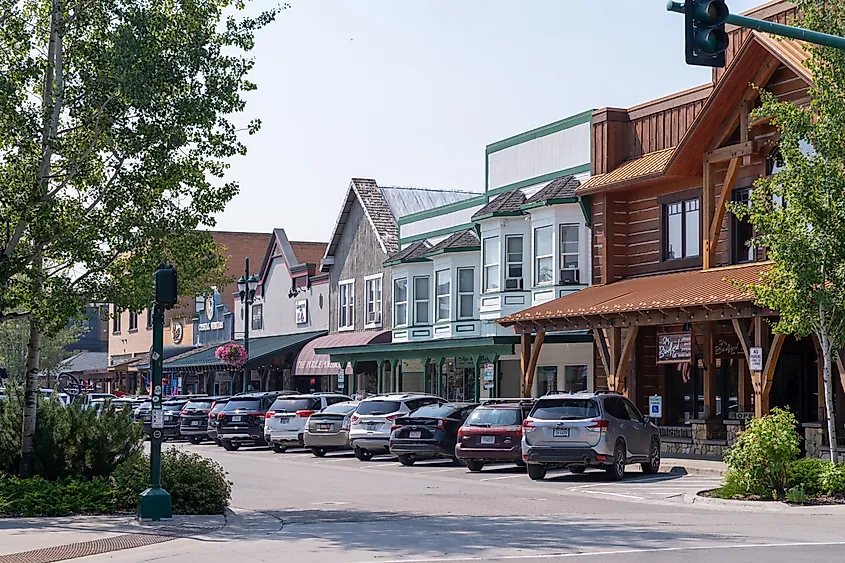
(372, 423)
(581, 430)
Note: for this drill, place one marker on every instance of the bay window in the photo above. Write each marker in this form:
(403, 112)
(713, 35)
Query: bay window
(443, 285)
(466, 293)
(422, 299)
(513, 262)
(543, 256)
(569, 272)
(490, 260)
(400, 302)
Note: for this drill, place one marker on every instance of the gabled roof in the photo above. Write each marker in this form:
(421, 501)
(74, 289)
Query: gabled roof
(308, 252)
(414, 252)
(462, 241)
(504, 205)
(294, 253)
(559, 190)
(407, 201)
(85, 362)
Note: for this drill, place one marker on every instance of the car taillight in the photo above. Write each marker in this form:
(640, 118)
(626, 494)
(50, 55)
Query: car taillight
(395, 427)
(528, 425)
(441, 424)
(460, 432)
(257, 414)
(183, 412)
(270, 414)
(345, 424)
(355, 418)
(393, 417)
(211, 415)
(220, 416)
(304, 413)
(519, 430)
(598, 424)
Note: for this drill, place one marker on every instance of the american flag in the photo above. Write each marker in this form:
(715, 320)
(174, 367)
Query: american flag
(683, 367)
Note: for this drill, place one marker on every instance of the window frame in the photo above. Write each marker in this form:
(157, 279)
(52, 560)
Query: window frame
(115, 323)
(427, 301)
(133, 321)
(733, 229)
(538, 257)
(341, 288)
(439, 296)
(663, 202)
(252, 325)
(397, 303)
(509, 263)
(486, 265)
(377, 302)
(149, 318)
(464, 294)
(561, 252)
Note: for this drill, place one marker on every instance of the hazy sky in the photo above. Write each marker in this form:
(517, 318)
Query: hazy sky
(409, 92)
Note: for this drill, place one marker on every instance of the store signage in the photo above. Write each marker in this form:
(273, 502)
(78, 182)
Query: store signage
(176, 332)
(209, 307)
(741, 415)
(655, 406)
(755, 357)
(725, 348)
(674, 347)
(317, 364)
(341, 376)
(489, 372)
(301, 311)
(214, 325)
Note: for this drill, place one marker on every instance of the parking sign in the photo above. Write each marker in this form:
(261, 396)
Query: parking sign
(655, 406)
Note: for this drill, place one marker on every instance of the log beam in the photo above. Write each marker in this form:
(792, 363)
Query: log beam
(524, 360)
(625, 358)
(716, 224)
(604, 353)
(708, 196)
(532, 365)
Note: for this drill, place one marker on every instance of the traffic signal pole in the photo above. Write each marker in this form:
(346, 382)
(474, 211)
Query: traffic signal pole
(801, 34)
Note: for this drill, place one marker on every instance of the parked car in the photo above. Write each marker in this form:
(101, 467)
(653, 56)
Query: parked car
(429, 432)
(141, 414)
(285, 421)
(193, 419)
(328, 430)
(242, 420)
(493, 433)
(172, 409)
(211, 425)
(371, 425)
(581, 430)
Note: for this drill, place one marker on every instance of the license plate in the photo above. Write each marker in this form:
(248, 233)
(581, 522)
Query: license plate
(488, 439)
(415, 434)
(325, 427)
(195, 423)
(371, 427)
(236, 419)
(561, 433)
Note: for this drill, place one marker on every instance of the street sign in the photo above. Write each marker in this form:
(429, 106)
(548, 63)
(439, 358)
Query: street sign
(655, 406)
(755, 356)
(157, 418)
(489, 372)
(341, 375)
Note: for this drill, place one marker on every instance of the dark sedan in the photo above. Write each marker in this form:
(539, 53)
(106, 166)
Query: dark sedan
(429, 432)
(193, 420)
(172, 410)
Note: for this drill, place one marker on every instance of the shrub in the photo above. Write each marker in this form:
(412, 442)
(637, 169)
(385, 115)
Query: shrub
(833, 478)
(797, 495)
(197, 485)
(759, 461)
(807, 474)
(40, 497)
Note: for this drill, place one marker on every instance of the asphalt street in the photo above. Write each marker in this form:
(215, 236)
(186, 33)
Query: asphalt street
(295, 507)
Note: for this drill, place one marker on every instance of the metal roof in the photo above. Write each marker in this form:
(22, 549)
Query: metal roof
(646, 165)
(407, 201)
(260, 348)
(85, 361)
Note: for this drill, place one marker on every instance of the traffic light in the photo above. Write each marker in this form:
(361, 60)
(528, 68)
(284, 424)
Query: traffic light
(165, 292)
(706, 39)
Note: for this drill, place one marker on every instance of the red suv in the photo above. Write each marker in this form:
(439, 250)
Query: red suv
(493, 433)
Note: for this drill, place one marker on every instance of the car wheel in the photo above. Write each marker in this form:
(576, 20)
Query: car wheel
(577, 469)
(319, 452)
(218, 442)
(617, 470)
(363, 455)
(407, 460)
(537, 472)
(195, 440)
(229, 446)
(474, 465)
(277, 448)
(653, 465)
(457, 461)
(520, 463)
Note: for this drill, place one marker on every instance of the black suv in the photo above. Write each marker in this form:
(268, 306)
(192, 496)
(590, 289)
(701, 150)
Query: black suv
(211, 429)
(193, 422)
(242, 420)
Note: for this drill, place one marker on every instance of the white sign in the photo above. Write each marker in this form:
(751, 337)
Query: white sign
(214, 325)
(157, 419)
(655, 406)
(341, 375)
(755, 356)
(489, 372)
(301, 311)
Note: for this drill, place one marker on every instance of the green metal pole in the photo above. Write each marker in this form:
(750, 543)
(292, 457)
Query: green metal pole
(476, 391)
(426, 376)
(799, 33)
(439, 372)
(380, 378)
(400, 383)
(247, 303)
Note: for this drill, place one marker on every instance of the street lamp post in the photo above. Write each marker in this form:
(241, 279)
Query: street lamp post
(246, 290)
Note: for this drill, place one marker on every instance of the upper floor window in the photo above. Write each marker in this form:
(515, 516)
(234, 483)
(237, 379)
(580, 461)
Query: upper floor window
(543, 256)
(490, 260)
(257, 317)
(466, 293)
(443, 284)
(400, 302)
(150, 318)
(346, 305)
(569, 272)
(774, 162)
(682, 228)
(133, 320)
(422, 300)
(741, 231)
(372, 291)
(115, 323)
(513, 262)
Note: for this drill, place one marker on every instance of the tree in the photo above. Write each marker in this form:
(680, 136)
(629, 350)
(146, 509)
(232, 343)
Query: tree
(115, 136)
(14, 337)
(799, 213)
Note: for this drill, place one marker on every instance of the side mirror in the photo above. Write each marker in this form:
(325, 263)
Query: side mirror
(646, 420)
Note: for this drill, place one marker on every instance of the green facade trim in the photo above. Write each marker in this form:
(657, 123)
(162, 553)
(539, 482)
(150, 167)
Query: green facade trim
(437, 233)
(550, 201)
(542, 131)
(586, 203)
(478, 218)
(456, 249)
(580, 169)
(481, 199)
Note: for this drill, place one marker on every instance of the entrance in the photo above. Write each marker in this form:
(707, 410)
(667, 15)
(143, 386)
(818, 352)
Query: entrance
(684, 385)
(794, 387)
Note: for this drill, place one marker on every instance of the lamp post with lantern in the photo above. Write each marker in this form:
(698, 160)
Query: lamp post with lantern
(246, 291)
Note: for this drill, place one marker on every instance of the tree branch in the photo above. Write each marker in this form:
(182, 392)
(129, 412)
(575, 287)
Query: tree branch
(13, 316)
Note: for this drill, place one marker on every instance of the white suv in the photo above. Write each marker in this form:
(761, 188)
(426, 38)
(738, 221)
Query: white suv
(284, 423)
(369, 433)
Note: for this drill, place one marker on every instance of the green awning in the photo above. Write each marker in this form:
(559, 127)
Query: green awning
(261, 349)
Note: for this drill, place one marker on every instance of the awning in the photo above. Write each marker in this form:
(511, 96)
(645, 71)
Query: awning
(261, 349)
(696, 295)
(312, 363)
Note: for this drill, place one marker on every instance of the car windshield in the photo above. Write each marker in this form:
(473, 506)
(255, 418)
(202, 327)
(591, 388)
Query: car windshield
(339, 408)
(198, 405)
(377, 407)
(434, 411)
(219, 407)
(283, 404)
(565, 409)
(239, 404)
(495, 417)
(172, 406)
(145, 406)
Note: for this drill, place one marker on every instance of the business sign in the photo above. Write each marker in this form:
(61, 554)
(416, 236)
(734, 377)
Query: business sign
(655, 406)
(674, 347)
(214, 325)
(341, 376)
(302, 311)
(489, 372)
(755, 357)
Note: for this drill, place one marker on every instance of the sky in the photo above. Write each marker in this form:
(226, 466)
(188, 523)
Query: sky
(409, 92)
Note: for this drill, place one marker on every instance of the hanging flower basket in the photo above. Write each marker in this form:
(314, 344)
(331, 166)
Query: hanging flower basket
(232, 354)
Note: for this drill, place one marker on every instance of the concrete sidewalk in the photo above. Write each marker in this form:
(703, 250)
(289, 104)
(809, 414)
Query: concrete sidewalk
(689, 466)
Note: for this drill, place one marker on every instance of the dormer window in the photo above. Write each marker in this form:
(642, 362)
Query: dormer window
(543, 256)
(513, 262)
(490, 260)
(569, 272)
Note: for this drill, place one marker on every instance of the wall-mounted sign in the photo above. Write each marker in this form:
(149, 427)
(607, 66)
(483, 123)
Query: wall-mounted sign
(209, 307)
(302, 311)
(741, 415)
(674, 347)
(725, 348)
(655, 406)
(176, 332)
(214, 325)
(755, 357)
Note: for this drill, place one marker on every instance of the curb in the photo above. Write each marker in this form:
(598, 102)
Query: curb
(761, 506)
(700, 471)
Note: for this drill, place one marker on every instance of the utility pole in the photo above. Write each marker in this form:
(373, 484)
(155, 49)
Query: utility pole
(246, 291)
(154, 503)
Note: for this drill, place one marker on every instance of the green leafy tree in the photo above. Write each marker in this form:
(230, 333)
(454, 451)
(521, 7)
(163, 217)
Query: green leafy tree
(116, 132)
(14, 337)
(805, 236)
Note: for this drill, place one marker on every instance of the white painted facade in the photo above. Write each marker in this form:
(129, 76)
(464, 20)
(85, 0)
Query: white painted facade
(438, 223)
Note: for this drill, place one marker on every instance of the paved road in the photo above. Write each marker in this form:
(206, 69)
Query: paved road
(294, 507)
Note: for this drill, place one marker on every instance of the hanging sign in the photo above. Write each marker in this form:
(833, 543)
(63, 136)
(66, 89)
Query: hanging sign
(674, 347)
(301, 311)
(755, 357)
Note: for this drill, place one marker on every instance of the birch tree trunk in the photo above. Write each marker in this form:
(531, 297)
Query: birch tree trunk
(30, 396)
(828, 395)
